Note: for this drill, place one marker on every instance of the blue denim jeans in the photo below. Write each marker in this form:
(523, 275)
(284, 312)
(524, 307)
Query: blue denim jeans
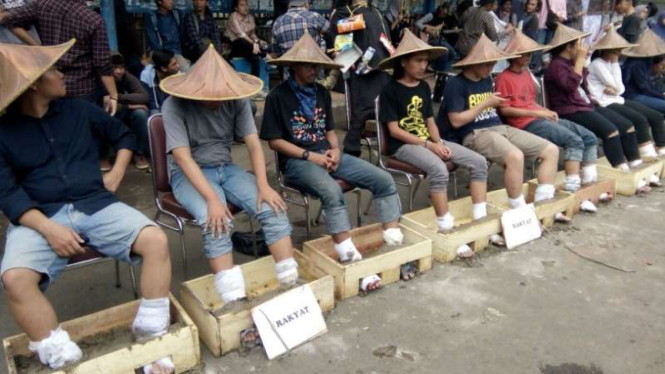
(238, 187)
(112, 231)
(578, 143)
(137, 121)
(316, 181)
(652, 102)
(445, 62)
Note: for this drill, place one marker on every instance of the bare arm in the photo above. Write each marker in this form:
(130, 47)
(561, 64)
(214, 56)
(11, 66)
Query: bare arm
(113, 178)
(24, 36)
(257, 159)
(459, 119)
(109, 83)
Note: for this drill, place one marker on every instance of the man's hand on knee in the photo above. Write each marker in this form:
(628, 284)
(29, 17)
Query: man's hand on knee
(63, 240)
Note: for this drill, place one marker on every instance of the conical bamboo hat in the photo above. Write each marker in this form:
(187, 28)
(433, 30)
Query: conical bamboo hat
(612, 40)
(21, 66)
(412, 44)
(306, 51)
(484, 51)
(521, 44)
(649, 45)
(565, 34)
(211, 79)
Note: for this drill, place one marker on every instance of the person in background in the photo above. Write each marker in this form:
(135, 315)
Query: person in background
(290, 27)
(652, 18)
(576, 12)
(432, 25)
(8, 35)
(165, 65)
(530, 20)
(556, 11)
(200, 31)
(397, 19)
(130, 42)
(241, 31)
(643, 62)
(475, 22)
(132, 108)
(164, 28)
(85, 64)
(505, 12)
(631, 24)
(659, 27)
(450, 24)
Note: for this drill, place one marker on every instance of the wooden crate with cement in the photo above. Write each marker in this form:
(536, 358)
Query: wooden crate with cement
(563, 202)
(386, 264)
(113, 325)
(219, 329)
(627, 181)
(467, 231)
(589, 192)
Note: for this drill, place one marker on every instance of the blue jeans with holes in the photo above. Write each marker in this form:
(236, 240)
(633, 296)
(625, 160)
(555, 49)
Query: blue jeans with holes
(236, 186)
(316, 181)
(578, 143)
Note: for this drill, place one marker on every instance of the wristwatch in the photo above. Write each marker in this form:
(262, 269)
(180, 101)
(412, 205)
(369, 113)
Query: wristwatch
(305, 155)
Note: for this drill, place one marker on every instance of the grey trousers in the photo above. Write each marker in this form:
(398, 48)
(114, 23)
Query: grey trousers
(435, 167)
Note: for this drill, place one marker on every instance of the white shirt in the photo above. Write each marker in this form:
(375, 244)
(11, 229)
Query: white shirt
(603, 74)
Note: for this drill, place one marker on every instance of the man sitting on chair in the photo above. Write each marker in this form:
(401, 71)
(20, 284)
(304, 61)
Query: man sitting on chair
(299, 125)
(207, 107)
(470, 103)
(57, 201)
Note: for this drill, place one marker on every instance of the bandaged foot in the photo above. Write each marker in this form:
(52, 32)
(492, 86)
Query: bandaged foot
(445, 223)
(643, 187)
(479, 211)
(393, 236)
(408, 271)
(589, 174)
(464, 251)
(230, 284)
(560, 217)
(517, 202)
(370, 283)
(654, 180)
(661, 152)
(497, 240)
(605, 197)
(648, 151)
(152, 321)
(623, 167)
(544, 192)
(588, 206)
(572, 183)
(635, 163)
(287, 272)
(57, 350)
(347, 251)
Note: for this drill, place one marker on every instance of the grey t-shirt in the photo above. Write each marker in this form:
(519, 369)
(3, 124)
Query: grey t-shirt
(7, 36)
(207, 132)
(630, 28)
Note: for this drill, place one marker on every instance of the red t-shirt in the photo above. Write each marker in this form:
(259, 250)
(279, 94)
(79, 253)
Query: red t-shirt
(523, 91)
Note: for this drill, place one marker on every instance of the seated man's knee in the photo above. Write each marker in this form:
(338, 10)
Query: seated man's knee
(514, 158)
(17, 281)
(330, 194)
(551, 151)
(439, 178)
(478, 168)
(384, 184)
(155, 241)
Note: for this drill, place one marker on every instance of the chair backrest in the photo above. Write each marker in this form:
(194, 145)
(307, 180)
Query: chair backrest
(157, 140)
(347, 101)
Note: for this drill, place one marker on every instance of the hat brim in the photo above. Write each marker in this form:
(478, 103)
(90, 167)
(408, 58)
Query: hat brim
(471, 63)
(552, 46)
(38, 74)
(615, 47)
(290, 62)
(166, 86)
(520, 53)
(627, 53)
(433, 54)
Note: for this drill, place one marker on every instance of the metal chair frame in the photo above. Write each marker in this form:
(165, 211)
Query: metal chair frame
(100, 260)
(180, 222)
(286, 191)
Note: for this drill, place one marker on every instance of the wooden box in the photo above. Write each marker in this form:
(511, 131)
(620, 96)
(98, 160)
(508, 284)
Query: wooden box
(563, 202)
(467, 231)
(181, 343)
(590, 192)
(369, 240)
(627, 181)
(220, 330)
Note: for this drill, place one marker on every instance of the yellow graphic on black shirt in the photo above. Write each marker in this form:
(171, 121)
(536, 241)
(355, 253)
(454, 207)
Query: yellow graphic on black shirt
(477, 99)
(414, 123)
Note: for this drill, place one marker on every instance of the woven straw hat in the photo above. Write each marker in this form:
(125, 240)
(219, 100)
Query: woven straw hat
(211, 79)
(521, 44)
(306, 51)
(565, 34)
(411, 44)
(484, 51)
(649, 45)
(21, 66)
(612, 40)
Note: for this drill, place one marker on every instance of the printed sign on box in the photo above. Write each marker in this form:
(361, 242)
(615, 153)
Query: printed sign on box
(520, 226)
(289, 320)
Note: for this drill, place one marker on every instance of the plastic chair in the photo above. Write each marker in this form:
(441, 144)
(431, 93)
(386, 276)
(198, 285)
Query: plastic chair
(164, 199)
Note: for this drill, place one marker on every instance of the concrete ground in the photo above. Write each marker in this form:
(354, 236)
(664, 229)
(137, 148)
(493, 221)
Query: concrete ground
(537, 309)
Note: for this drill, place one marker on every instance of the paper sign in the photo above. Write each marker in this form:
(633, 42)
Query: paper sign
(289, 320)
(520, 225)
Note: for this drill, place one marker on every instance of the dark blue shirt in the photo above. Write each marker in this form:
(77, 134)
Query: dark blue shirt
(48, 162)
(636, 74)
(164, 30)
(462, 94)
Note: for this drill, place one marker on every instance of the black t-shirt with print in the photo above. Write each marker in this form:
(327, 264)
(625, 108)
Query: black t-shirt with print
(462, 94)
(283, 119)
(410, 107)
